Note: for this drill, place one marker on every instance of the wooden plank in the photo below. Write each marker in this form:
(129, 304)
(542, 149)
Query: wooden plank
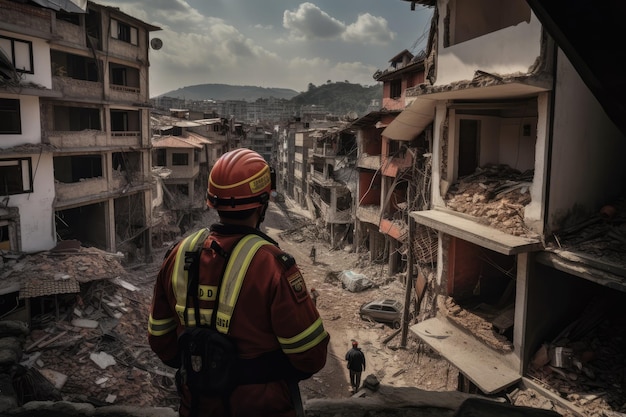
(489, 370)
(474, 232)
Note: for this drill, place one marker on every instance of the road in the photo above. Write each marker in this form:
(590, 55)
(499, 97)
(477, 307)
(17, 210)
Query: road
(393, 365)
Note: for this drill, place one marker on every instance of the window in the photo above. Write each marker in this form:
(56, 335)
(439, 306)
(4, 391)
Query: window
(394, 149)
(74, 66)
(10, 120)
(5, 238)
(395, 89)
(19, 53)
(180, 159)
(16, 176)
(125, 121)
(75, 119)
(73, 169)
(126, 76)
(160, 157)
(124, 32)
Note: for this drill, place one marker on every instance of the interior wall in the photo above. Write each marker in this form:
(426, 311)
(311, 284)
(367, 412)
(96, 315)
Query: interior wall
(518, 142)
(588, 168)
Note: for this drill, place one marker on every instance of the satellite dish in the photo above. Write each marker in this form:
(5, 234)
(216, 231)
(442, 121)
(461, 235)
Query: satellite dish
(156, 44)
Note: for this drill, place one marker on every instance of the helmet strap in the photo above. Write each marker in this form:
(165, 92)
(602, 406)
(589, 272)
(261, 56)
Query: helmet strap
(262, 216)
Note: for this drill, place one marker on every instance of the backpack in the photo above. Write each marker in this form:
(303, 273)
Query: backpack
(209, 362)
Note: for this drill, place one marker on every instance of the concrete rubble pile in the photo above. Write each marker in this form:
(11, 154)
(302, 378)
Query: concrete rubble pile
(497, 195)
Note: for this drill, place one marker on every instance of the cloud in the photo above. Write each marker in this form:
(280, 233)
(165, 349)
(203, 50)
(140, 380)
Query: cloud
(199, 48)
(311, 22)
(369, 29)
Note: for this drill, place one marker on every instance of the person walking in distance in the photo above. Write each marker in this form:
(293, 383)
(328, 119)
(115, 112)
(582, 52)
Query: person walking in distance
(312, 255)
(230, 289)
(356, 365)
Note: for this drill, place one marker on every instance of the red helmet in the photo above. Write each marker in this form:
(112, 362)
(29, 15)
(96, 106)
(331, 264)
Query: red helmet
(240, 180)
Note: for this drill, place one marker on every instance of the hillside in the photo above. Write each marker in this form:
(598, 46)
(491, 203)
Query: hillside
(340, 97)
(229, 92)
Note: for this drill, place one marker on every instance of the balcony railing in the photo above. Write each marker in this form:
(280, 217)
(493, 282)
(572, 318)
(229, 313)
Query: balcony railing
(369, 214)
(324, 150)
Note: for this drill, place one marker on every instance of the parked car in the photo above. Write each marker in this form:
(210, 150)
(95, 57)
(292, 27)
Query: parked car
(383, 311)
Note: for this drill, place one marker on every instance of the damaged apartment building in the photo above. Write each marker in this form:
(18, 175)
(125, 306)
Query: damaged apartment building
(527, 198)
(75, 136)
(393, 169)
(332, 182)
(184, 148)
(316, 168)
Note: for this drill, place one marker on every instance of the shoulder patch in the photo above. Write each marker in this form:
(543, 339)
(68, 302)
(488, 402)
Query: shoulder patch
(296, 282)
(286, 260)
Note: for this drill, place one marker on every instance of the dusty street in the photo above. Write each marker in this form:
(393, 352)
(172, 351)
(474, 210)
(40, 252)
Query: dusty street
(391, 364)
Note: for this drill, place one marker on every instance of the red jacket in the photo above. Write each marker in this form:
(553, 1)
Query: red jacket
(273, 313)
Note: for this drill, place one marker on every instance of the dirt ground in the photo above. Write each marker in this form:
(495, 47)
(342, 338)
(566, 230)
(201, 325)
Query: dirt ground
(413, 365)
(395, 365)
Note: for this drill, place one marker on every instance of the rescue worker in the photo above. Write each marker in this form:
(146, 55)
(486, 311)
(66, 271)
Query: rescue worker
(270, 317)
(356, 365)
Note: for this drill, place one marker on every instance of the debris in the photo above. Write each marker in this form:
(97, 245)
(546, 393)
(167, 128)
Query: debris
(56, 378)
(85, 323)
(125, 284)
(355, 282)
(102, 359)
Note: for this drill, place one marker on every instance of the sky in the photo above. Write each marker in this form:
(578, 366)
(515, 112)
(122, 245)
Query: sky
(275, 43)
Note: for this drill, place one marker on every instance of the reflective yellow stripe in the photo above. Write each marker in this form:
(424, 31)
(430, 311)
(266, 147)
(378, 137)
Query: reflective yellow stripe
(264, 171)
(306, 340)
(234, 275)
(179, 276)
(161, 326)
(205, 315)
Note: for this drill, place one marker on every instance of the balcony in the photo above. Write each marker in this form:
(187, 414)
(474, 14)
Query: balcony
(78, 140)
(183, 172)
(320, 178)
(121, 94)
(369, 162)
(396, 229)
(126, 138)
(82, 190)
(325, 150)
(369, 214)
(75, 88)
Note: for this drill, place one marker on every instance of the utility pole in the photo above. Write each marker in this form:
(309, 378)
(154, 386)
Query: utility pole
(408, 288)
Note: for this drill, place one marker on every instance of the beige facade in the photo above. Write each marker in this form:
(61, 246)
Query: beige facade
(92, 117)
